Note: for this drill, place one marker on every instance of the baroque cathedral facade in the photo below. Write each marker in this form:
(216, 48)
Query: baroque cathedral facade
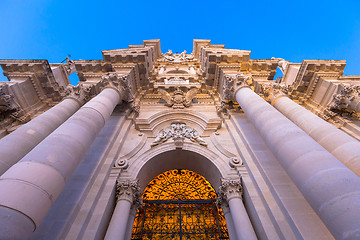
(153, 145)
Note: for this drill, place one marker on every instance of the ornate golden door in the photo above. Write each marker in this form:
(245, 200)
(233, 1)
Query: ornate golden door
(179, 204)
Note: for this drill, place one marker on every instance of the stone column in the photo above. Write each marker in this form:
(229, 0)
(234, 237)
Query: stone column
(127, 194)
(329, 186)
(17, 144)
(130, 224)
(228, 218)
(340, 144)
(231, 193)
(30, 187)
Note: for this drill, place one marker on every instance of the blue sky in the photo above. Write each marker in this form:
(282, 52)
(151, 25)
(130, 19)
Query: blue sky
(293, 30)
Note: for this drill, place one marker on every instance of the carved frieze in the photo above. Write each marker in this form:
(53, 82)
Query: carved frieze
(178, 131)
(10, 109)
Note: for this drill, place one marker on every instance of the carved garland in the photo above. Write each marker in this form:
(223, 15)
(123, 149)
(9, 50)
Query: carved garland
(178, 131)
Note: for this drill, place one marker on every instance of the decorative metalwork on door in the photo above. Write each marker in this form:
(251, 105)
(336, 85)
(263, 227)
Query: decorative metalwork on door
(179, 204)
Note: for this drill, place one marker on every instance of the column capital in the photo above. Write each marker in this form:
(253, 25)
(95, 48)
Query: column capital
(128, 190)
(273, 92)
(119, 82)
(229, 189)
(233, 83)
(79, 93)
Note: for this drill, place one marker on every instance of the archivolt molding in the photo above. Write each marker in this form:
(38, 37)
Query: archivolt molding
(158, 121)
(123, 162)
(234, 161)
(138, 163)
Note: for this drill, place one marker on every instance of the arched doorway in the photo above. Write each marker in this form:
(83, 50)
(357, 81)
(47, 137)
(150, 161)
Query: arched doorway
(179, 204)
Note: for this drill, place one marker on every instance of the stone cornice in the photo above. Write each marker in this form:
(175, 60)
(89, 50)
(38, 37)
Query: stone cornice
(39, 73)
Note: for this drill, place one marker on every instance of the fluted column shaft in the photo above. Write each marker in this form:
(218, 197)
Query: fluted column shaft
(127, 192)
(340, 144)
(329, 186)
(30, 187)
(17, 144)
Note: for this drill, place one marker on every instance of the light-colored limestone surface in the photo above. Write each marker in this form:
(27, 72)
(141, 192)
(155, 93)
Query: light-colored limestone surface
(72, 172)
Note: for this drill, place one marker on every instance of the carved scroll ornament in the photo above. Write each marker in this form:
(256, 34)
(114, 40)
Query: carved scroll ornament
(178, 131)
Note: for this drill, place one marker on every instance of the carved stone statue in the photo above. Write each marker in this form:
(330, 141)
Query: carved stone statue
(347, 100)
(178, 57)
(6, 102)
